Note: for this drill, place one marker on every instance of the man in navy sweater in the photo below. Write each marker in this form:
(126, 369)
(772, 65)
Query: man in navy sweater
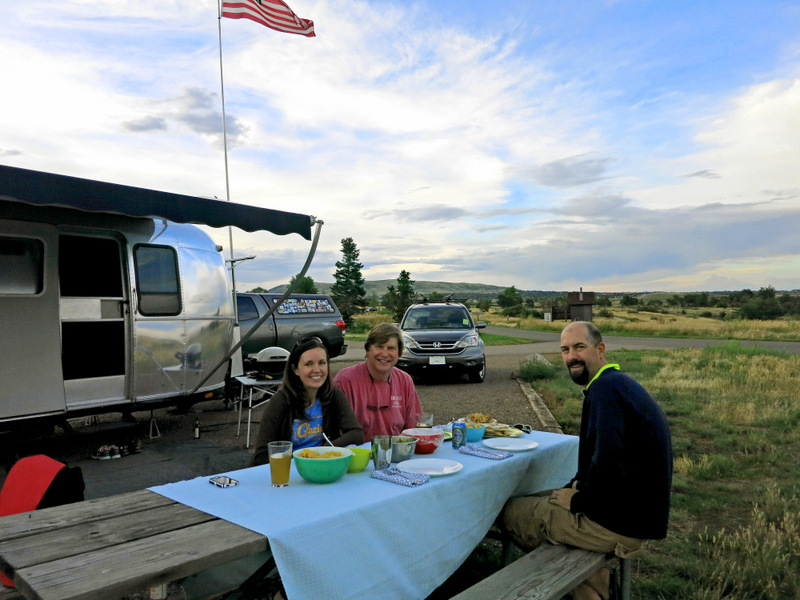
(620, 495)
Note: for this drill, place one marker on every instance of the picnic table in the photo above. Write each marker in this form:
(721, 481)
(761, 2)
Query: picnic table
(358, 537)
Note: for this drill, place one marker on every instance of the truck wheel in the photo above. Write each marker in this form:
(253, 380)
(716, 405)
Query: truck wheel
(479, 374)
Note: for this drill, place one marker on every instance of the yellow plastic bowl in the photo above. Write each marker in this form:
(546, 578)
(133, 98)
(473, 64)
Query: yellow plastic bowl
(360, 459)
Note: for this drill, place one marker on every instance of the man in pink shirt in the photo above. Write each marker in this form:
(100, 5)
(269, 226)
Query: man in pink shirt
(383, 397)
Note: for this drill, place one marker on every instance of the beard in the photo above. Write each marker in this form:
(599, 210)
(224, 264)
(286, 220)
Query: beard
(579, 377)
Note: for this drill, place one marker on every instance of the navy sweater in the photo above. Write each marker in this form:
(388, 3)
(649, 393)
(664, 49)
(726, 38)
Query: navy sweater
(624, 459)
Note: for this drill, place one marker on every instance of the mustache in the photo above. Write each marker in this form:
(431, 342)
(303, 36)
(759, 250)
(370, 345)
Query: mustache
(576, 363)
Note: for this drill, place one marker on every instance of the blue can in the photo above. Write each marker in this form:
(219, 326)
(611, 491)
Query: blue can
(459, 435)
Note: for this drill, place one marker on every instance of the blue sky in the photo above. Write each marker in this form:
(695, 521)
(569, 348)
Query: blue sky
(616, 146)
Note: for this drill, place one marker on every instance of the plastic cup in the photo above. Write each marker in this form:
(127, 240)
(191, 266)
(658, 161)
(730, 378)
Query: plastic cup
(424, 419)
(280, 462)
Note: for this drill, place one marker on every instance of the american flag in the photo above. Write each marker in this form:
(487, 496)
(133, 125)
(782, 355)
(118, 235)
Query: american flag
(274, 14)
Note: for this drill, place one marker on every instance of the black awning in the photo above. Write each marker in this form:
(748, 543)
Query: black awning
(48, 189)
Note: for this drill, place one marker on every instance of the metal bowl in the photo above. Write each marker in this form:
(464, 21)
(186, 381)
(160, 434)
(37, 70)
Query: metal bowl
(402, 447)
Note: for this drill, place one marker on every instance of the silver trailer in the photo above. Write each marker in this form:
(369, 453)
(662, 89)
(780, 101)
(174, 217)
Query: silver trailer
(109, 299)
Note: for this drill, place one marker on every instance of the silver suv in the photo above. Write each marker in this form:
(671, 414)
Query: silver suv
(441, 338)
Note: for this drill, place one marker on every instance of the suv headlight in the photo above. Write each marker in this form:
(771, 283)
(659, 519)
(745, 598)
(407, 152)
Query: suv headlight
(410, 342)
(471, 339)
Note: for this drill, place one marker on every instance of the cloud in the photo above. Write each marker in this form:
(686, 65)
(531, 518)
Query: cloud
(571, 172)
(705, 174)
(422, 213)
(198, 110)
(146, 124)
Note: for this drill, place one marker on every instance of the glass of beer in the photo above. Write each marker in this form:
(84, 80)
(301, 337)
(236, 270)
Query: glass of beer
(280, 462)
(424, 419)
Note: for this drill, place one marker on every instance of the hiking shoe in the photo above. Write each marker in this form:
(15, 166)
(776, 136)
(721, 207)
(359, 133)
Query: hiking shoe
(123, 450)
(114, 451)
(102, 453)
(134, 446)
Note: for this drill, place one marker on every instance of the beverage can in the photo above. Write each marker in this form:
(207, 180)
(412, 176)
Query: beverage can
(459, 435)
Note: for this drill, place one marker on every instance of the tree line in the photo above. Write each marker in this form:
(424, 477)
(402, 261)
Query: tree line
(350, 296)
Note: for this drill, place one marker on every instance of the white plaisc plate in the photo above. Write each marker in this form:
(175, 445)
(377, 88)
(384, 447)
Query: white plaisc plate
(510, 444)
(430, 466)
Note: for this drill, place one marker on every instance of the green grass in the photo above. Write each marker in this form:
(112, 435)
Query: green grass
(734, 413)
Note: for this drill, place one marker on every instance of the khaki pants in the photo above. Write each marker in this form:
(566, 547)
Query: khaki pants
(532, 520)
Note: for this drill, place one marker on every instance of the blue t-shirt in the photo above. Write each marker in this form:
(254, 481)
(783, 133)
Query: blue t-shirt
(306, 434)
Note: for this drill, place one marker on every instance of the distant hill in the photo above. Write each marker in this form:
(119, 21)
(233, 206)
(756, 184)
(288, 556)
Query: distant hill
(462, 291)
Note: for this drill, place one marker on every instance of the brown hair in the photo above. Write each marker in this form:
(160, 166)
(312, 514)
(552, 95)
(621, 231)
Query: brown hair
(382, 333)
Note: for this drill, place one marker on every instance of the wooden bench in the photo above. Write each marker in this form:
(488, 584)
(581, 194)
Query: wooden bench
(547, 573)
(9, 594)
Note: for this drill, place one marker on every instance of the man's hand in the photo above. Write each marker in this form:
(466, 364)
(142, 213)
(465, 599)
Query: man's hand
(562, 497)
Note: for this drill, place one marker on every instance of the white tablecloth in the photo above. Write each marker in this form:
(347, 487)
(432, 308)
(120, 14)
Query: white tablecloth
(364, 538)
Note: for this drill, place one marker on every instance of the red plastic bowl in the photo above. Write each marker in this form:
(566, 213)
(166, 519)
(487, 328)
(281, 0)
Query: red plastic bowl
(428, 439)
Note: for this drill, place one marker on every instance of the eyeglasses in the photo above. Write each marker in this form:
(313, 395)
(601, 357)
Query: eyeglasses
(523, 428)
(374, 407)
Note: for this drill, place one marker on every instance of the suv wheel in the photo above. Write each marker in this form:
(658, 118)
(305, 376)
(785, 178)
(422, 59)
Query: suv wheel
(479, 374)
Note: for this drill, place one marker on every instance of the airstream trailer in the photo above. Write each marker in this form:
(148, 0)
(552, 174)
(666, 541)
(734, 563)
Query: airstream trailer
(110, 300)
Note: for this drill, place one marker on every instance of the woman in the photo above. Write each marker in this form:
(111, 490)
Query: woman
(306, 405)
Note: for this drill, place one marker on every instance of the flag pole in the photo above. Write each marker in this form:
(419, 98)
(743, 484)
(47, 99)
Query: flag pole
(237, 367)
(225, 143)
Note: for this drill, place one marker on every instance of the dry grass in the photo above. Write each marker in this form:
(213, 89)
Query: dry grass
(628, 322)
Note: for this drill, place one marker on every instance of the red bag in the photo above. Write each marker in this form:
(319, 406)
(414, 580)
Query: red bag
(38, 482)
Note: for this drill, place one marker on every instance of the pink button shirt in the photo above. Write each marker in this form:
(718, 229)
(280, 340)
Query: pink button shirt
(382, 407)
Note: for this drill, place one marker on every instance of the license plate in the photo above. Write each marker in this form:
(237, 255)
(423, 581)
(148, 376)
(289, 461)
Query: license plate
(436, 360)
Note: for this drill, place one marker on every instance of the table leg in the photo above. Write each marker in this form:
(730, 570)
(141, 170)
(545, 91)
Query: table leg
(249, 413)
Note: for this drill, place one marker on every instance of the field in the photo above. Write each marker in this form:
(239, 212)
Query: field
(677, 324)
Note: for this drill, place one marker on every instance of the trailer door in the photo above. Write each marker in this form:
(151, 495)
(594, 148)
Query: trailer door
(30, 353)
(93, 320)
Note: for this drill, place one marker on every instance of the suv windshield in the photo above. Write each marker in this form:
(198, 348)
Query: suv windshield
(444, 317)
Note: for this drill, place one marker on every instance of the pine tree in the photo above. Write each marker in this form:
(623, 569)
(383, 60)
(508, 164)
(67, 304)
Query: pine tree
(305, 286)
(348, 289)
(403, 296)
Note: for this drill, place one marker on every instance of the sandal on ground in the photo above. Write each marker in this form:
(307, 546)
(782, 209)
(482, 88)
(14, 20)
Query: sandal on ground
(102, 453)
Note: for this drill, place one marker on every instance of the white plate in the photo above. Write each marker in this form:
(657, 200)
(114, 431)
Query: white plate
(510, 444)
(430, 466)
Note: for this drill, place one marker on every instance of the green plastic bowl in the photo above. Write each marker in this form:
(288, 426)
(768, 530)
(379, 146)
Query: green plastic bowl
(360, 459)
(322, 470)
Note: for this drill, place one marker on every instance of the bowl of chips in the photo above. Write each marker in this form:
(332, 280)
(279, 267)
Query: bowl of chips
(475, 432)
(322, 464)
(428, 438)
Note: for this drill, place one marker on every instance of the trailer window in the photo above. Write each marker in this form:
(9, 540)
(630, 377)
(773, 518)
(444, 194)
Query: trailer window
(157, 283)
(21, 266)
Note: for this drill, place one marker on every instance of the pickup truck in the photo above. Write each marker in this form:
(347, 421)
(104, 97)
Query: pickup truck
(300, 316)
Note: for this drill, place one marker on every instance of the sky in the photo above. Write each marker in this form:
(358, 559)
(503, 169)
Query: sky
(617, 145)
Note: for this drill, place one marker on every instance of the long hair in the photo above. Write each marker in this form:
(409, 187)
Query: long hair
(292, 386)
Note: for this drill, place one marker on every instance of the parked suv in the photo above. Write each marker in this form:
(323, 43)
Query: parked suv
(440, 338)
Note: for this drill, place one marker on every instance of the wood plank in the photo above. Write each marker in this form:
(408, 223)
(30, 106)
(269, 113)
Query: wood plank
(50, 545)
(127, 568)
(24, 524)
(548, 572)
